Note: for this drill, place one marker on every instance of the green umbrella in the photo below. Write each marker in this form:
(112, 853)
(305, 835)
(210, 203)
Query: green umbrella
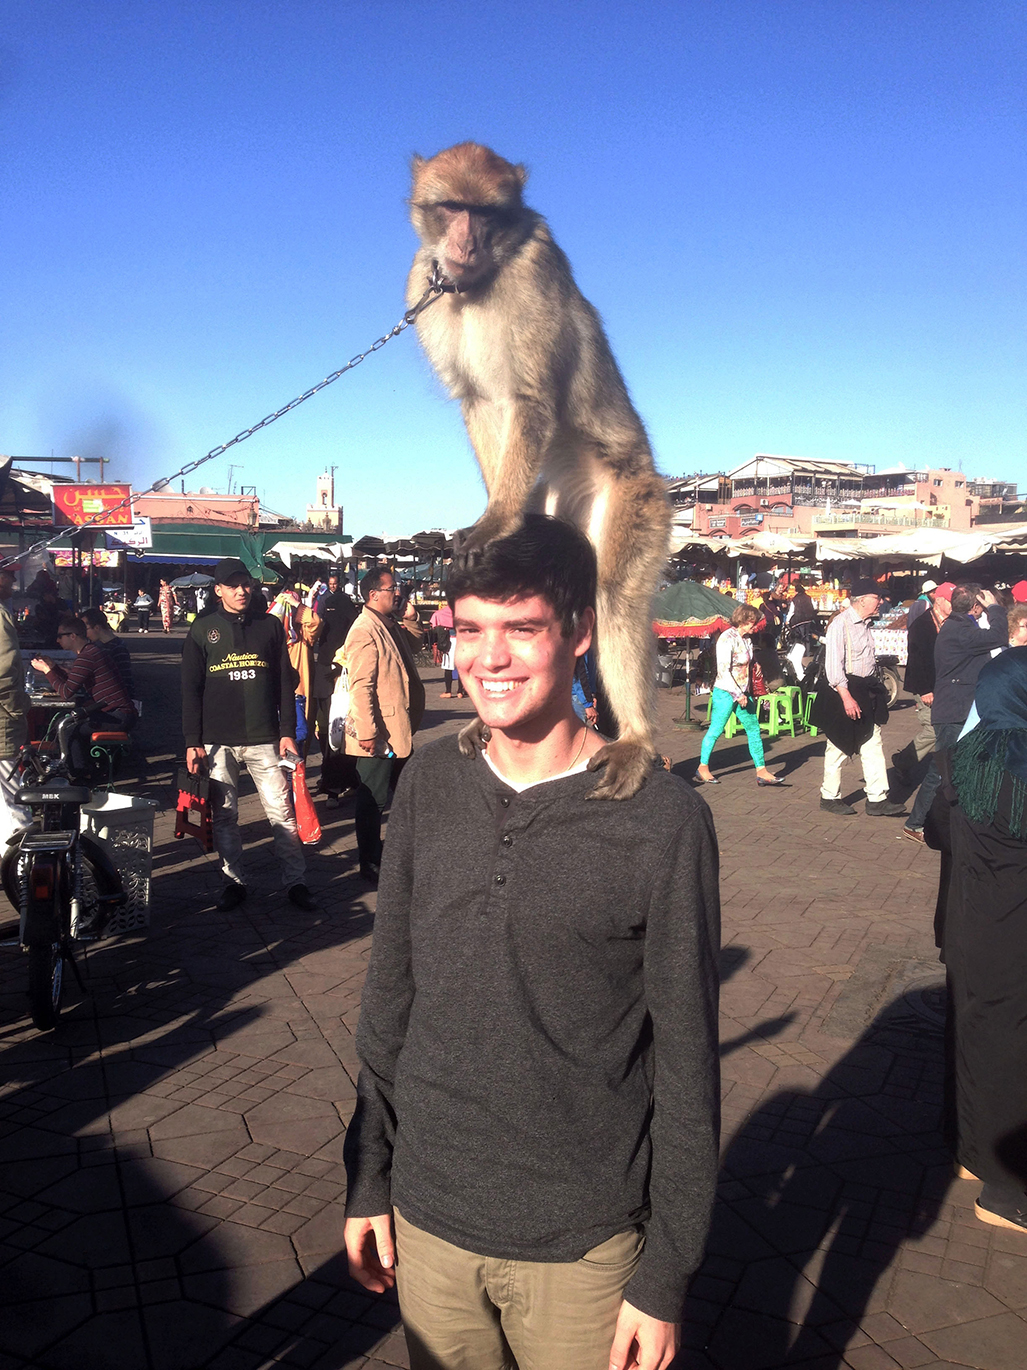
(689, 609)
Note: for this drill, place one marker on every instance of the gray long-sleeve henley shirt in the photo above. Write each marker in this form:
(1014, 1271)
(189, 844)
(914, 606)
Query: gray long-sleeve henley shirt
(538, 1035)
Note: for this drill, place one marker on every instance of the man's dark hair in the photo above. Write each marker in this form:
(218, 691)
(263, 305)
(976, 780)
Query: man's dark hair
(94, 618)
(545, 557)
(964, 596)
(72, 625)
(373, 580)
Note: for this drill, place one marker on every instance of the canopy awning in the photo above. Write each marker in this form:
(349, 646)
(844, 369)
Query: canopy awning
(325, 551)
(172, 558)
(767, 546)
(928, 545)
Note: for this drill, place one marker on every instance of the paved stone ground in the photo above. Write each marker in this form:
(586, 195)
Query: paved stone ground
(170, 1157)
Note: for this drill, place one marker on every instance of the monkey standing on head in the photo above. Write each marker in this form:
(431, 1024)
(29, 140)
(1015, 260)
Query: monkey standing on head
(547, 412)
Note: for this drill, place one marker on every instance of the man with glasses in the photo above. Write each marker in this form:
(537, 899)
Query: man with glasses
(237, 710)
(386, 705)
(92, 679)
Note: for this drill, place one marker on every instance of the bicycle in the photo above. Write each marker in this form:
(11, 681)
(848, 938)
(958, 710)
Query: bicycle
(58, 878)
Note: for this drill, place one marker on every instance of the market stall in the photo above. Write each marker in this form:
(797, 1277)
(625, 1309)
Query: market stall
(683, 615)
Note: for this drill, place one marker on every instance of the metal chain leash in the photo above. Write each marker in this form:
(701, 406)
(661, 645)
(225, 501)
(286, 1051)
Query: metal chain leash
(435, 288)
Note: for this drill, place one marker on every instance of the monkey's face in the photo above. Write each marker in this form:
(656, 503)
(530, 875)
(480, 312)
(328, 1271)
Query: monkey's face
(467, 241)
(516, 664)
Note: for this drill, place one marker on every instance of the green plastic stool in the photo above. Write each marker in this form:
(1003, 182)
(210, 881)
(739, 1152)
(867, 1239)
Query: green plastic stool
(791, 696)
(806, 712)
(782, 711)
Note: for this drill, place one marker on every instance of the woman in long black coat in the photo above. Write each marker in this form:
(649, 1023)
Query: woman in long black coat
(984, 942)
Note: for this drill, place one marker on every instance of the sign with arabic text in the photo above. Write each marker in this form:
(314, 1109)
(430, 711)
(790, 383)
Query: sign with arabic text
(139, 535)
(80, 504)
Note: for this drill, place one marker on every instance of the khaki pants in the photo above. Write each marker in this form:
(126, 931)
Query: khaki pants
(467, 1312)
(875, 770)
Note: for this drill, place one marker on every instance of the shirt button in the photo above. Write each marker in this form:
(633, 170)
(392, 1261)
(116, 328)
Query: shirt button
(505, 801)
(507, 840)
(500, 879)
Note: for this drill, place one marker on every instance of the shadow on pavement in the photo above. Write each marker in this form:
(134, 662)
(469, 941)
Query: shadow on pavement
(818, 1190)
(208, 1052)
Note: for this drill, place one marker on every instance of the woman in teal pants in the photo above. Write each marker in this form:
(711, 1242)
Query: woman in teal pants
(731, 695)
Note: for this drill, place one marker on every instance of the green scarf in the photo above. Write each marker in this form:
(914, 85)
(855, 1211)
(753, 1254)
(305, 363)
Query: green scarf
(979, 770)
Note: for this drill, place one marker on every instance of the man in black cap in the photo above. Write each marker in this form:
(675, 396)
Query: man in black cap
(851, 706)
(237, 710)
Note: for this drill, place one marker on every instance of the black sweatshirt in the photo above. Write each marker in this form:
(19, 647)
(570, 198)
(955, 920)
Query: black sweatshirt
(920, 640)
(235, 674)
(538, 1035)
(961, 649)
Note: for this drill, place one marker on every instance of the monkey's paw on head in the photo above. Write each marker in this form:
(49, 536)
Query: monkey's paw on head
(624, 764)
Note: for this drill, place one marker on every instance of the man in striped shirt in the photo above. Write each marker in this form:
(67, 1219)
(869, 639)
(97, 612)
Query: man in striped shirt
(92, 679)
(98, 630)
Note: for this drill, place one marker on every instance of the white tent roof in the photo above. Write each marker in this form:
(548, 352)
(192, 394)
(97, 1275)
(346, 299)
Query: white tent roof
(325, 551)
(929, 544)
(763, 464)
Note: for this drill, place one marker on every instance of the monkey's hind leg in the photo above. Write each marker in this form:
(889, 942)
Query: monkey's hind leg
(474, 737)
(627, 670)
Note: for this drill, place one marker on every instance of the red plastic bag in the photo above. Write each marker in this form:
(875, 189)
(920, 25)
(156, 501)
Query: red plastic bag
(306, 815)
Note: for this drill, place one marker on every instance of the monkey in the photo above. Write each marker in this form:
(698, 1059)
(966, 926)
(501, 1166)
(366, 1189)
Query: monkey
(548, 415)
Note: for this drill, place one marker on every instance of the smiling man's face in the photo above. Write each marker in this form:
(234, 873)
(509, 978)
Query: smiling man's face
(516, 663)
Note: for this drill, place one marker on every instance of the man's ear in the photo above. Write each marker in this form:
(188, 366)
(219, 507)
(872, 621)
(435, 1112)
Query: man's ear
(583, 633)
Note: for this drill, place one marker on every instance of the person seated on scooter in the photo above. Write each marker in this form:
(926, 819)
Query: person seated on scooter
(93, 678)
(98, 630)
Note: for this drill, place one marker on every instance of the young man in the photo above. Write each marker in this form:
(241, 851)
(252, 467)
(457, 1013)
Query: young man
(98, 630)
(237, 710)
(534, 1148)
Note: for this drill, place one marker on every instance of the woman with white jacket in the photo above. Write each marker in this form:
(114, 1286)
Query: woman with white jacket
(731, 694)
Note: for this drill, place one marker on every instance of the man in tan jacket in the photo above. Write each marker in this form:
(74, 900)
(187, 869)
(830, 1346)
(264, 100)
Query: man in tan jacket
(386, 705)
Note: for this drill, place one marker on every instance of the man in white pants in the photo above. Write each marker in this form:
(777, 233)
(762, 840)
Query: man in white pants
(851, 706)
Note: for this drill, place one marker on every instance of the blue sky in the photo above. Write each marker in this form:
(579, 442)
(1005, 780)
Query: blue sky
(803, 223)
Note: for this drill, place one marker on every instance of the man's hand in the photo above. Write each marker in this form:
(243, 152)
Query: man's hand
(196, 760)
(371, 1251)
(41, 663)
(591, 714)
(986, 597)
(410, 612)
(287, 747)
(366, 744)
(928, 699)
(850, 705)
(639, 1343)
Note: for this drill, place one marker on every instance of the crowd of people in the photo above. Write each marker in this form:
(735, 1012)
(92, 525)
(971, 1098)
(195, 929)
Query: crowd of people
(967, 671)
(542, 983)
